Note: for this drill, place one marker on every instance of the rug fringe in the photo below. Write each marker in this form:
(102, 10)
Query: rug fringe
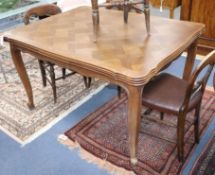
(209, 88)
(66, 141)
(101, 163)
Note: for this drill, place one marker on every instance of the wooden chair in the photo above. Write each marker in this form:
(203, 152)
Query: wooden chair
(169, 4)
(44, 11)
(170, 94)
(117, 5)
(126, 6)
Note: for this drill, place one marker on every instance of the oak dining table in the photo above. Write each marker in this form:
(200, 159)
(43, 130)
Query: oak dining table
(123, 54)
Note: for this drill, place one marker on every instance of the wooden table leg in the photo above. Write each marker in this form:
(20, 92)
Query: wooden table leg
(134, 115)
(147, 15)
(18, 62)
(191, 55)
(171, 13)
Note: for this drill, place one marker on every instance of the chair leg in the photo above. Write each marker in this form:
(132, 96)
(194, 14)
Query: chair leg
(43, 72)
(147, 111)
(196, 123)
(125, 11)
(119, 91)
(180, 136)
(87, 81)
(63, 73)
(161, 115)
(53, 83)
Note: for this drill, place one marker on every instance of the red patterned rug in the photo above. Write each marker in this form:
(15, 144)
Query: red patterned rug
(104, 135)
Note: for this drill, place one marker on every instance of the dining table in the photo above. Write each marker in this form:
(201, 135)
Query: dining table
(122, 53)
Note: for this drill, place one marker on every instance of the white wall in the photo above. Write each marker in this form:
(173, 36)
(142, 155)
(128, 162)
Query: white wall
(66, 5)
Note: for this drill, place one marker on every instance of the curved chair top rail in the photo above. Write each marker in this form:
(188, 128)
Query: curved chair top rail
(194, 86)
(41, 11)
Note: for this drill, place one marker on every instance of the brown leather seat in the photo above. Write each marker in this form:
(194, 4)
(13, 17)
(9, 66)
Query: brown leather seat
(170, 94)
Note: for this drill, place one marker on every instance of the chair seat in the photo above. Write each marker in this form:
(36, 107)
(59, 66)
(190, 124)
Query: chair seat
(166, 93)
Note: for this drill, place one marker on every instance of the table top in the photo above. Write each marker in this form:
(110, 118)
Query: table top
(124, 52)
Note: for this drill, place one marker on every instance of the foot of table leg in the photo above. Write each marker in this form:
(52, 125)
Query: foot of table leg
(134, 115)
(134, 161)
(30, 105)
(18, 62)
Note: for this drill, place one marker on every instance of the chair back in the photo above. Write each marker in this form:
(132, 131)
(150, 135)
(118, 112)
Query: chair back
(199, 86)
(41, 11)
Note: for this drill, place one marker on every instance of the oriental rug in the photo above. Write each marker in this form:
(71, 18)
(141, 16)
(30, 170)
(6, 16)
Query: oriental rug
(205, 164)
(103, 139)
(16, 119)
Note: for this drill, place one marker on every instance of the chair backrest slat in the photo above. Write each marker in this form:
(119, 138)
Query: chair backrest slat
(209, 61)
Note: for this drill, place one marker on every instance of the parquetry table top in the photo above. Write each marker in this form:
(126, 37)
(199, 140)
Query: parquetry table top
(121, 50)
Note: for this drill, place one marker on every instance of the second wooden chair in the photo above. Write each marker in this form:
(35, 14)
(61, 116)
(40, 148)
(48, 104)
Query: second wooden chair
(44, 11)
(170, 94)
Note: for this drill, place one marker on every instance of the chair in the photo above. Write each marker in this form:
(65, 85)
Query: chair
(117, 4)
(170, 94)
(169, 4)
(124, 5)
(44, 11)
